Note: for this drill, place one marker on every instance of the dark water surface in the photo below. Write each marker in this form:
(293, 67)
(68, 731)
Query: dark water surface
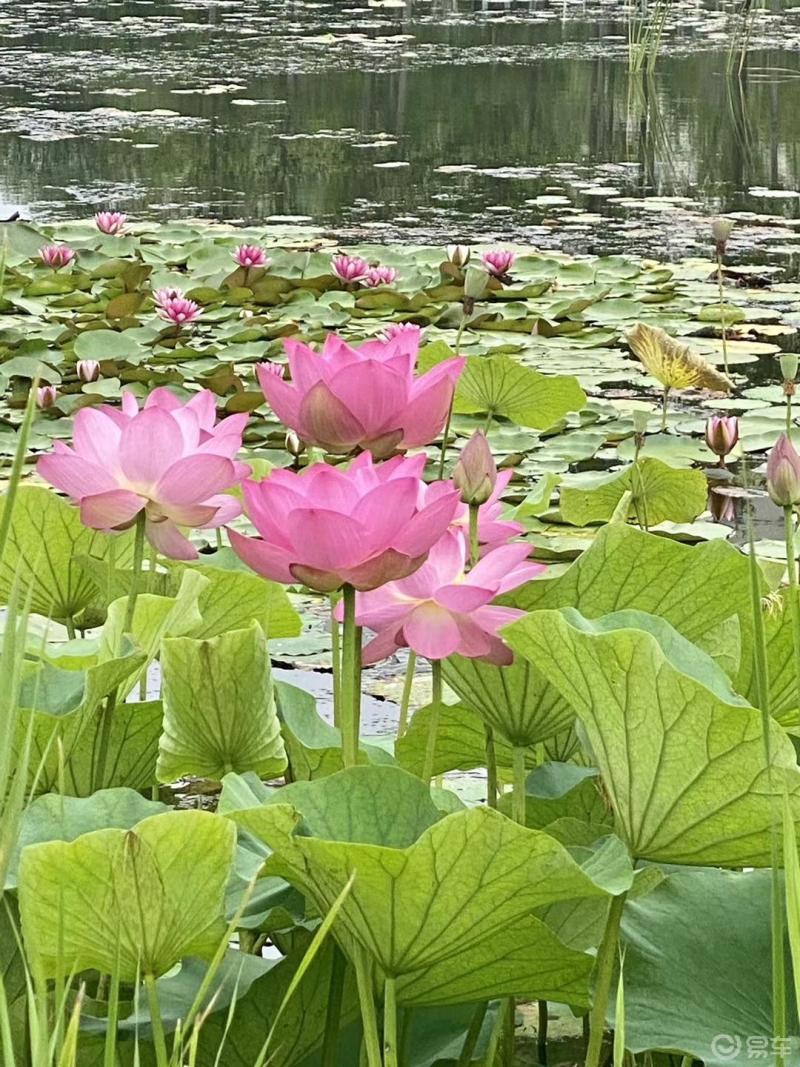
(418, 120)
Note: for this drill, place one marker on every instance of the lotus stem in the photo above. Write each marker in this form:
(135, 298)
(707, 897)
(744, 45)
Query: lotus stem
(136, 573)
(789, 413)
(20, 453)
(371, 1042)
(405, 699)
(664, 400)
(721, 285)
(518, 797)
(446, 432)
(604, 971)
(541, 1032)
(390, 1056)
(162, 1059)
(794, 591)
(474, 1032)
(336, 658)
(474, 544)
(491, 768)
(330, 1042)
(351, 680)
(433, 721)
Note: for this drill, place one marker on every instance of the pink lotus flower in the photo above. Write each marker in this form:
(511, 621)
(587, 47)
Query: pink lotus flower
(162, 297)
(783, 473)
(88, 370)
(56, 256)
(179, 310)
(722, 434)
(169, 459)
(349, 268)
(444, 609)
(367, 397)
(110, 222)
(251, 256)
(398, 329)
(492, 530)
(498, 262)
(327, 527)
(376, 276)
(46, 396)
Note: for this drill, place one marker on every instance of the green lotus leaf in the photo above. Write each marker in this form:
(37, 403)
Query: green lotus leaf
(658, 493)
(107, 344)
(500, 386)
(116, 900)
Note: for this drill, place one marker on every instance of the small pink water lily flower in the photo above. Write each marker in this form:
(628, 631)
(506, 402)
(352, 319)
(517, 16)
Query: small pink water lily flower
(367, 397)
(179, 310)
(783, 473)
(110, 222)
(443, 609)
(327, 527)
(251, 256)
(56, 256)
(376, 276)
(395, 329)
(492, 529)
(722, 434)
(170, 459)
(46, 396)
(349, 268)
(88, 370)
(498, 262)
(161, 297)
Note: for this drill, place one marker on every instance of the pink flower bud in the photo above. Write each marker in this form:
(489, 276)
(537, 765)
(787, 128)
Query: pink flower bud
(56, 256)
(783, 473)
(88, 370)
(475, 473)
(722, 433)
(251, 256)
(376, 276)
(271, 368)
(110, 222)
(498, 262)
(46, 396)
(349, 268)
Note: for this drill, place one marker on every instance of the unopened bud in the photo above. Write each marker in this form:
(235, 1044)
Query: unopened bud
(788, 362)
(88, 370)
(475, 473)
(475, 281)
(783, 473)
(721, 230)
(294, 446)
(458, 254)
(722, 433)
(46, 396)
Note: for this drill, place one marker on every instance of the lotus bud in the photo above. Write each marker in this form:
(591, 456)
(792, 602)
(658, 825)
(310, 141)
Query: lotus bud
(783, 473)
(475, 281)
(475, 473)
(788, 362)
(294, 446)
(640, 420)
(458, 255)
(88, 370)
(722, 433)
(46, 396)
(721, 230)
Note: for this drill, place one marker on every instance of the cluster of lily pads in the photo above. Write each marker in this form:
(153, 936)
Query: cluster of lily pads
(199, 867)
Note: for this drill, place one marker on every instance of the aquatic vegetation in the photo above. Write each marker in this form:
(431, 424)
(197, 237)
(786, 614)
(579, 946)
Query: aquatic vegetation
(624, 678)
(56, 256)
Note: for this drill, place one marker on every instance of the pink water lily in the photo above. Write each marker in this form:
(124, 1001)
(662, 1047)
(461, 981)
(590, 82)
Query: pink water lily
(395, 329)
(366, 398)
(46, 396)
(251, 256)
(498, 262)
(442, 609)
(327, 527)
(56, 256)
(492, 529)
(722, 434)
(88, 370)
(349, 268)
(170, 460)
(179, 310)
(162, 297)
(376, 276)
(110, 222)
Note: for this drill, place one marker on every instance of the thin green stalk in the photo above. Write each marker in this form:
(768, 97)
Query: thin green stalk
(604, 971)
(112, 1014)
(721, 285)
(789, 413)
(474, 1032)
(518, 798)
(541, 1032)
(369, 1018)
(491, 767)
(390, 1046)
(474, 543)
(20, 455)
(330, 1042)
(794, 591)
(488, 424)
(640, 498)
(664, 401)
(336, 656)
(350, 684)
(138, 556)
(405, 699)
(433, 722)
(162, 1059)
(446, 432)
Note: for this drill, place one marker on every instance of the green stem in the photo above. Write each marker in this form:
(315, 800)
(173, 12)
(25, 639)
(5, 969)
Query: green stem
(491, 768)
(70, 627)
(350, 683)
(721, 284)
(789, 413)
(474, 1032)
(446, 433)
(664, 400)
(405, 699)
(518, 798)
(488, 424)
(369, 1018)
(336, 657)
(138, 555)
(390, 1057)
(20, 455)
(474, 543)
(794, 591)
(541, 1032)
(433, 722)
(162, 1059)
(604, 971)
(330, 1042)
(640, 499)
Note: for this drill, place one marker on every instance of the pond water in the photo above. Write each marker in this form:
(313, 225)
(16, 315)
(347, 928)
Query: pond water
(409, 120)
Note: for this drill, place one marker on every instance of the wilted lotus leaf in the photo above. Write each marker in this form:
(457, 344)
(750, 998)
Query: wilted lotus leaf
(673, 363)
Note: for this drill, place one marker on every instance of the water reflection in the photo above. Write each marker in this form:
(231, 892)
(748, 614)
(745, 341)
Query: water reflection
(346, 115)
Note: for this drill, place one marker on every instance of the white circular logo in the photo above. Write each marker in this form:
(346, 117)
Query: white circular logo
(726, 1046)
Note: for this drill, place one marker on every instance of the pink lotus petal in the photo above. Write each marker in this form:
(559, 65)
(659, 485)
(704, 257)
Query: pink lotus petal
(166, 538)
(326, 421)
(463, 598)
(432, 632)
(225, 507)
(73, 475)
(427, 526)
(191, 479)
(105, 511)
(268, 560)
(148, 447)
